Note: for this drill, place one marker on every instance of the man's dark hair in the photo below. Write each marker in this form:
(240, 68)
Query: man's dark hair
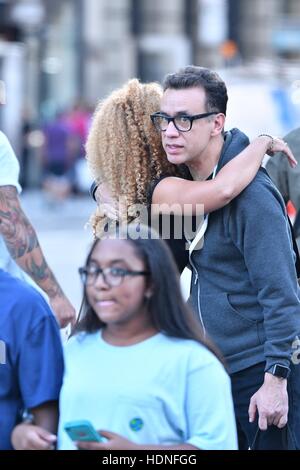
(193, 76)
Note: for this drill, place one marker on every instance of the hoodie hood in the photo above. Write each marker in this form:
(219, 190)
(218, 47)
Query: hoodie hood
(235, 141)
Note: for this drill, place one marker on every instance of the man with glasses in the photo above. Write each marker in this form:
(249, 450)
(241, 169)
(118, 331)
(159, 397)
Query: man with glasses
(20, 251)
(182, 123)
(244, 285)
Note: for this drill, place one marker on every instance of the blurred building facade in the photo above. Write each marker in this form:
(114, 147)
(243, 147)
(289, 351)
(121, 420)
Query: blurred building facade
(54, 52)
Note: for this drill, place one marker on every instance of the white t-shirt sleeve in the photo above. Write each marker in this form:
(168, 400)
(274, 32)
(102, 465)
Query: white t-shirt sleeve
(9, 165)
(209, 405)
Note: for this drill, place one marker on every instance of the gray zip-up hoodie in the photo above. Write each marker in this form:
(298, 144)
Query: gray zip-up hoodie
(247, 294)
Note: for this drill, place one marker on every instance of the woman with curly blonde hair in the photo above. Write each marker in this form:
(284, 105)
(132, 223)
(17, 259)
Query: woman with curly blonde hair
(123, 148)
(126, 157)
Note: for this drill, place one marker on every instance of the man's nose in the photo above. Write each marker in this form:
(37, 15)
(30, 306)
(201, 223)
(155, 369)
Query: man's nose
(171, 130)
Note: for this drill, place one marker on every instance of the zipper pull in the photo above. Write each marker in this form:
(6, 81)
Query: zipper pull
(196, 278)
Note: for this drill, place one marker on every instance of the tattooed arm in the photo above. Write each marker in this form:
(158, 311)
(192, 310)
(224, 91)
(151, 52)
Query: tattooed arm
(23, 246)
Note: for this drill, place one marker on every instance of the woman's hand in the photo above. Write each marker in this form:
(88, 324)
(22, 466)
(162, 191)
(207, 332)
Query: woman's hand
(31, 437)
(106, 204)
(279, 145)
(114, 442)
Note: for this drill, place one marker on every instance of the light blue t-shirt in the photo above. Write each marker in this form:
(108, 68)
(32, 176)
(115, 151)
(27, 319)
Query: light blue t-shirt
(160, 391)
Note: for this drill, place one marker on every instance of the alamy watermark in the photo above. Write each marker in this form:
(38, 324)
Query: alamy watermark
(167, 221)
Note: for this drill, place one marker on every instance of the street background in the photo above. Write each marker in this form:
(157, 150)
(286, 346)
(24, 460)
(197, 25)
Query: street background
(58, 58)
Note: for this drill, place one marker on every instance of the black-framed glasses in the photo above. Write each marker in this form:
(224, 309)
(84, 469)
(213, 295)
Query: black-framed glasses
(113, 277)
(183, 123)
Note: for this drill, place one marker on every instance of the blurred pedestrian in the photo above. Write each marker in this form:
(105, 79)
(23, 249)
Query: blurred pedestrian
(287, 180)
(288, 183)
(79, 119)
(58, 158)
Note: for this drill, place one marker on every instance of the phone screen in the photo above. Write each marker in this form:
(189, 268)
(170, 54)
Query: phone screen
(83, 431)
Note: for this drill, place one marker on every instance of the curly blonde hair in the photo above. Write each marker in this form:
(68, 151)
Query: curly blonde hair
(124, 149)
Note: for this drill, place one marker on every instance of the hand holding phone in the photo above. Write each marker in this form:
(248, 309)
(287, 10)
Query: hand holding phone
(82, 430)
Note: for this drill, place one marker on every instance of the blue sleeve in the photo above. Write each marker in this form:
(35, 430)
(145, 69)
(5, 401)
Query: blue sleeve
(209, 406)
(260, 230)
(40, 366)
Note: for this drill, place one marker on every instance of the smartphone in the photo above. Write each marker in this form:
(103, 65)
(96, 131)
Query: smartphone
(82, 430)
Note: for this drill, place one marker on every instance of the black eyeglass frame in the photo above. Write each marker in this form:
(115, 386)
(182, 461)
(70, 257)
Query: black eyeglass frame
(122, 273)
(172, 119)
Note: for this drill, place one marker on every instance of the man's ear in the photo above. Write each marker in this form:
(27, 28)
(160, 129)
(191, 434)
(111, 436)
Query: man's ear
(219, 122)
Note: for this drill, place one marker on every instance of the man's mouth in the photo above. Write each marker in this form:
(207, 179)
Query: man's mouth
(172, 148)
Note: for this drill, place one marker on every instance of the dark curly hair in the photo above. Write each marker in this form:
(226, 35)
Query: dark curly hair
(193, 76)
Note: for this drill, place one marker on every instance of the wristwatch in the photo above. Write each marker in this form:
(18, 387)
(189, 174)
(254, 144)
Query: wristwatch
(279, 371)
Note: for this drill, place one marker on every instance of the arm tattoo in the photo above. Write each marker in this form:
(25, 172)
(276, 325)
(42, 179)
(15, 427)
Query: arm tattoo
(18, 233)
(22, 243)
(41, 273)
